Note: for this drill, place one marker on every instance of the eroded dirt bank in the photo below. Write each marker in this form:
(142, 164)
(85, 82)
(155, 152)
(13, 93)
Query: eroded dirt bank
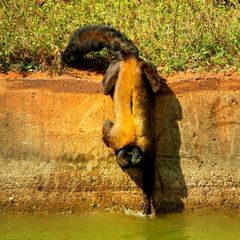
(52, 157)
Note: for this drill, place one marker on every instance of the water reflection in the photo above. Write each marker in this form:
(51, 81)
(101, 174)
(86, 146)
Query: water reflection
(117, 226)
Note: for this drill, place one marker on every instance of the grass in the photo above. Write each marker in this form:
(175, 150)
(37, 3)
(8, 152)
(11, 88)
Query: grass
(175, 35)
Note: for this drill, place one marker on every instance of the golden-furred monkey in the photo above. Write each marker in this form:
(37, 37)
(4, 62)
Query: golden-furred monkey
(132, 84)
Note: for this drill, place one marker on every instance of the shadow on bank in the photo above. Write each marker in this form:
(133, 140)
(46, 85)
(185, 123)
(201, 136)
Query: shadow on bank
(169, 185)
(164, 178)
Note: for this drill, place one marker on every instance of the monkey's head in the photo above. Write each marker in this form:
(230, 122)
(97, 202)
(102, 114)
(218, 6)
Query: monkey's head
(129, 156)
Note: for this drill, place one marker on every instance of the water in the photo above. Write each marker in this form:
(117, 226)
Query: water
(116, 227)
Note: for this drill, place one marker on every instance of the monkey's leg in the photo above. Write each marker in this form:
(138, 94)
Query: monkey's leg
(110, 77)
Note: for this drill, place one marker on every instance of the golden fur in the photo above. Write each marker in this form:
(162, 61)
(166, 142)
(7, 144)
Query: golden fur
(132, 108)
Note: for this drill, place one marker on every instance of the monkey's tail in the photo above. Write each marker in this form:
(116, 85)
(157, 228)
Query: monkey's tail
(96, 37)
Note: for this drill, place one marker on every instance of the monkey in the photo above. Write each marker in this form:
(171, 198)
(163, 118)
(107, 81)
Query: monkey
(132, 110)
(132, 83)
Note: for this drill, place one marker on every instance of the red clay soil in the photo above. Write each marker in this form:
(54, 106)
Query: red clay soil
(89, 82)
(76, 74)
(94, 76)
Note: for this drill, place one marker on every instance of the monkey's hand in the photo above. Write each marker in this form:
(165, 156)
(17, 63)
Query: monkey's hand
(146, 205)
(106, 131)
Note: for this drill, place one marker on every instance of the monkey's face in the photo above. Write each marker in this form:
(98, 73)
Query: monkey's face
(129, 156)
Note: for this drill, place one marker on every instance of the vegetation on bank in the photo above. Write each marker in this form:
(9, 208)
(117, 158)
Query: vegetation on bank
(175, 35)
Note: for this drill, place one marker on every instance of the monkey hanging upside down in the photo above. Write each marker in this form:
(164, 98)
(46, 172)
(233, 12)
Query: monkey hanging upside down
(131, 81)
(132, 84)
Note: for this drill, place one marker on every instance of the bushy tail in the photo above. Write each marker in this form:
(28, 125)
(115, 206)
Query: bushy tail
(94, 38)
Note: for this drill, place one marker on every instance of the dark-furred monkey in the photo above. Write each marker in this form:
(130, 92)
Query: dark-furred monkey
(132, 83)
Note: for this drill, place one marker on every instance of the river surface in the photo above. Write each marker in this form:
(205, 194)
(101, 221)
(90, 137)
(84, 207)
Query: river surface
(114, 226)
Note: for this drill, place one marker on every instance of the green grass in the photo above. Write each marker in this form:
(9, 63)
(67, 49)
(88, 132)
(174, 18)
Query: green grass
(175, 35)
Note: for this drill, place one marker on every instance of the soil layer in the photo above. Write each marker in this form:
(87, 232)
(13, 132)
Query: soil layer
(52, 158)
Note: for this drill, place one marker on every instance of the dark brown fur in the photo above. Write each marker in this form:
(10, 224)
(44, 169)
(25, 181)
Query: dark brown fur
(94, 38)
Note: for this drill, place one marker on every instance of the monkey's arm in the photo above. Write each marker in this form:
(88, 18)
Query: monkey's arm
(110, 77)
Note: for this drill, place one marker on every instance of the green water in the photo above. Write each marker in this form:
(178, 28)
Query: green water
(116, 226)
